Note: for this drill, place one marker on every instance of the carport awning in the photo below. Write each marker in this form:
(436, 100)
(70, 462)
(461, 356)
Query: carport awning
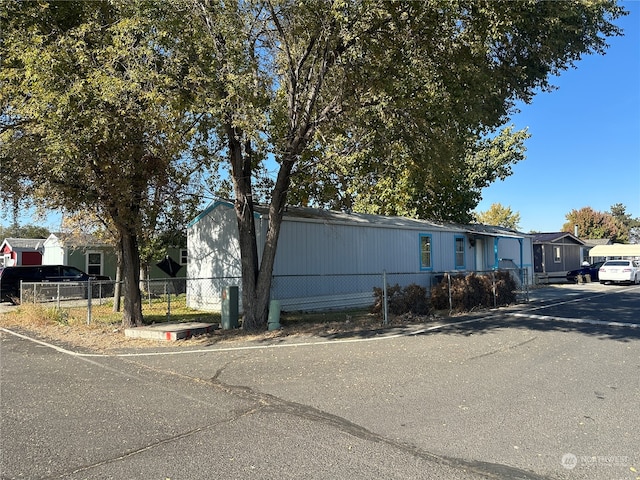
(615, 250)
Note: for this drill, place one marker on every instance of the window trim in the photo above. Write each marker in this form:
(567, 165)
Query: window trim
(184, 256)
(422, 236)
(86, 261)
(456, 240)
(557, 249)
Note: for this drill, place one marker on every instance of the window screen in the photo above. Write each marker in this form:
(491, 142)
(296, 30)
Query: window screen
(94, 263)
(425, 251)
(459, 252)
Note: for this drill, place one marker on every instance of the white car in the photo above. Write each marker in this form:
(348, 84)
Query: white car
(620, 271)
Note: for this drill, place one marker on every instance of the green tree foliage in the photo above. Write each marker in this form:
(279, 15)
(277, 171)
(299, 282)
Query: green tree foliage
(94, 100)
(627, 222)
(617, 225)
(445, 186)
(23, 231)
(369, 104)
(499, 215)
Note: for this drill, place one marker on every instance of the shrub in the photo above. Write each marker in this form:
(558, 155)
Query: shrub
(440, 294)
(473, 291)
(410, 299)
(57, 315)
(505, 288)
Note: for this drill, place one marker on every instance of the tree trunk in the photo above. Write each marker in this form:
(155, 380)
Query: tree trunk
(253, 318)
(276, 211)
(132, 313)
(117, 288)
(257, 277)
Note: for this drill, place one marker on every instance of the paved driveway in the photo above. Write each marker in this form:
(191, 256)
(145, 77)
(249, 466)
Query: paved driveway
(522, 393)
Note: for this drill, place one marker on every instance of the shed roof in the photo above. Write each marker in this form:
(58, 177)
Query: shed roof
(75, 240)
(615, 250)
(363, 219)
(24, 243)
(592, 242)
(555, 237)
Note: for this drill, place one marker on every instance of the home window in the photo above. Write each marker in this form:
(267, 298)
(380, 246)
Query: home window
(459, 245)
(94, 263)
(183, 256)
(556, 255)
(425, 252)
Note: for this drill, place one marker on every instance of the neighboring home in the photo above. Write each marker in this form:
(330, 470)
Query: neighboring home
(21, 251)
(96, 257)
(554, 254)
(83, 251)
(329, 259)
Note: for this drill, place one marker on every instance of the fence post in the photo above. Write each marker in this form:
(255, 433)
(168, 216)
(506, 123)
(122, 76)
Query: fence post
(493, 287)
(450, 296)
(168, 293)
(58, 295)
(89, 295)
(385, 303)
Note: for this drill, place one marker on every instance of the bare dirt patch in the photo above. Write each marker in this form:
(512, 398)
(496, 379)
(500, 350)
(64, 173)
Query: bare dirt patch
(54, 326)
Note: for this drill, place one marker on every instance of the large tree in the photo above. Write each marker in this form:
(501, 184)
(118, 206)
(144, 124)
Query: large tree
(617, 225)
(95, 112)
(630, 226)
(23, 231)
(499, 215)
(397, 91)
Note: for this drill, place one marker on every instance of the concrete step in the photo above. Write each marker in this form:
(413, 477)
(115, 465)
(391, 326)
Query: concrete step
(170, 331)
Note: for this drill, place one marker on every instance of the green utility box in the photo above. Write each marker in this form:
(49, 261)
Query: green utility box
(229, 308)
(274, 315)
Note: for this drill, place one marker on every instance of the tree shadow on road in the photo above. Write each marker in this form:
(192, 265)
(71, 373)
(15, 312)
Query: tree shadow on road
(587, 316)
(544, 324)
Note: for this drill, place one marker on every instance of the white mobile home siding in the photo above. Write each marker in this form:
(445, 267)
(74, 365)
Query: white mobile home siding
(214, 257)
(328, 265)
(331, 259)
(314, 247)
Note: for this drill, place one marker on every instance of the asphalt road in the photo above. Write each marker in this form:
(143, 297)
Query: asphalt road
(547, 390)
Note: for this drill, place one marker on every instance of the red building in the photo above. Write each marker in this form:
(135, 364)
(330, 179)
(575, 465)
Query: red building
(21, 251)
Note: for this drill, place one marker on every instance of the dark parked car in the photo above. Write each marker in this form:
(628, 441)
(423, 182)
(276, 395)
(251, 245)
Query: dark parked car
(592, 270)
(10, 278)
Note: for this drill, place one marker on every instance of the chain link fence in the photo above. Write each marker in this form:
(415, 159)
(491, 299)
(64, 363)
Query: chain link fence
(293, 292)
(59, 292)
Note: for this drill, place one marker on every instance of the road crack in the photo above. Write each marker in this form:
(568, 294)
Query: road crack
(503, 349)
(265, 402)
(279, 405)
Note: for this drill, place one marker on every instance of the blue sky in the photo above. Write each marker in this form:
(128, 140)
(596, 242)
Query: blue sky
(584, 149)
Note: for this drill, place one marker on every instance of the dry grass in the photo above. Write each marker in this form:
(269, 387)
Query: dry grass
(69, 326)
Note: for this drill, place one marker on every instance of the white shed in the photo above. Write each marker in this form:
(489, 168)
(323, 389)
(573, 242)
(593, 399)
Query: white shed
(330, 259)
